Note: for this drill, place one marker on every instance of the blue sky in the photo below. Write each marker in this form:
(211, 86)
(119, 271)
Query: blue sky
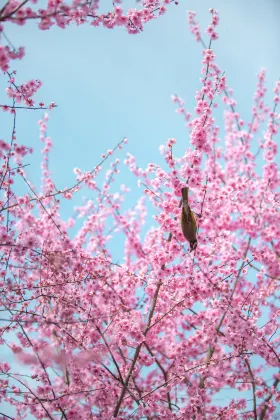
(108, 84)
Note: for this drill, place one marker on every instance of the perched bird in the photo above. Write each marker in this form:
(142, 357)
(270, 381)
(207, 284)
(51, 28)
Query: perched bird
(188, 222)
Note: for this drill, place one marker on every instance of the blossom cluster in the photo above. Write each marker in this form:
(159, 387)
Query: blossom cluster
(62, 13)
(161, 332)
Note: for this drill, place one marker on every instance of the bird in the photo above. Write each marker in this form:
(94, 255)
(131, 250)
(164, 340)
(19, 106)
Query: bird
(188, 222)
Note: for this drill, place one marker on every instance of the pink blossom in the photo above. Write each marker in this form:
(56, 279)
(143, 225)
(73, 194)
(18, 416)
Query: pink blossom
(160, 331)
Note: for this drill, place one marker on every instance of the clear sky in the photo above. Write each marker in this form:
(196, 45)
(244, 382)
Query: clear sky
(108, 84)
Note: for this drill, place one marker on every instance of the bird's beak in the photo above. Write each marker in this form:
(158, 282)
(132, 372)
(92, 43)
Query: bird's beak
(193, 245)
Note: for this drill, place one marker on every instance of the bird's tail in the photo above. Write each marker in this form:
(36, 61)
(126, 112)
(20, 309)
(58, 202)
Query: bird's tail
(185, 197)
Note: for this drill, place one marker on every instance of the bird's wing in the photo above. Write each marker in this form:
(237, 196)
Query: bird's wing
(193, 219)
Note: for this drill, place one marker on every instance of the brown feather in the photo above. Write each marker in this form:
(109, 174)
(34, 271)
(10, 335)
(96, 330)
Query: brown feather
(188, 222)
(185, 195)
